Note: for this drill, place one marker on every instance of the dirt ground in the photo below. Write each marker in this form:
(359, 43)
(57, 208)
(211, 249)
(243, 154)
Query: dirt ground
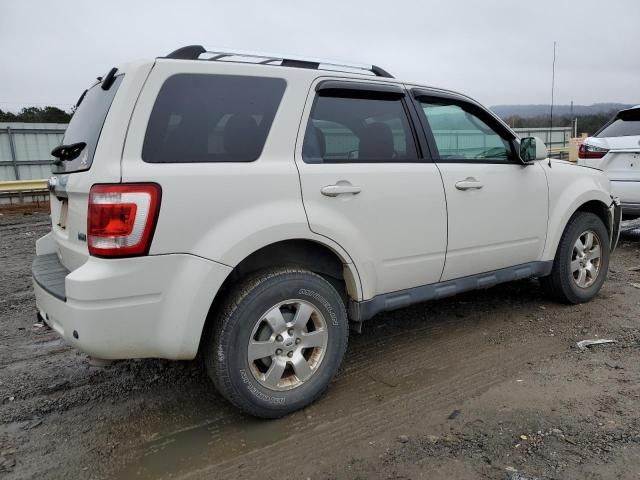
(484, 385)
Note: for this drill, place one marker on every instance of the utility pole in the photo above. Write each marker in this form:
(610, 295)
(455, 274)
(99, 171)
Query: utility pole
(571, 111)
(553, 81)
(574, 122)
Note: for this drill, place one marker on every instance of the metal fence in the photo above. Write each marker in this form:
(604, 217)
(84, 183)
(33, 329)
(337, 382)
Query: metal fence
(25, 159)
(25, 149)
(556, 139)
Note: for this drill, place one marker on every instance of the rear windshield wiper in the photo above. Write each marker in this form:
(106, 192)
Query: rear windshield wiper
(67, 152)
(81, 98)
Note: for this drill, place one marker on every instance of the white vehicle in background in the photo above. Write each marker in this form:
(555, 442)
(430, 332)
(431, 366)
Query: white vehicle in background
(255, 207)
(615, 149)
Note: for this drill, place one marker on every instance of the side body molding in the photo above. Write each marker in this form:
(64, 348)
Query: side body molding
(360, 311)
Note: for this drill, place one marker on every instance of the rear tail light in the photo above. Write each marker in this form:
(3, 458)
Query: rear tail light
(121, 218)
(590, 151)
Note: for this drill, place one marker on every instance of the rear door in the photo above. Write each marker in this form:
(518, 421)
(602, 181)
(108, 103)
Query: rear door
(497, 207)
(369, 185)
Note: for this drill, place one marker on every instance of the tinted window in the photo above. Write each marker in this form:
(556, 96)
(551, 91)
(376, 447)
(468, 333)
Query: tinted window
(86, 125)
(622, 127)
(211, 118)
(347, 129)
(462, 135)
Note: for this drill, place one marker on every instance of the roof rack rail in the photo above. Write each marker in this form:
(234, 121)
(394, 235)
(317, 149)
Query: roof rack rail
(193, 52)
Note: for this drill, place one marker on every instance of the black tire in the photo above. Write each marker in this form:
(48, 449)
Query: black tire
(560, 284)
(226, 347)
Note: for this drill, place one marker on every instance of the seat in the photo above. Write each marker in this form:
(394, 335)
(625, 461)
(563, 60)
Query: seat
(376, 142)
(315, 146)
(243, 138)
(185, 143)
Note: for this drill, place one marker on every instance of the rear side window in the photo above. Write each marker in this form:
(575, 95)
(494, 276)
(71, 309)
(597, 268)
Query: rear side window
(358, 129)
(625, 124)
(86, 125)
(211, 118)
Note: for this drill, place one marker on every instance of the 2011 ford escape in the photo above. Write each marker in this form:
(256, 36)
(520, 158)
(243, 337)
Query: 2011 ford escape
(253, 207)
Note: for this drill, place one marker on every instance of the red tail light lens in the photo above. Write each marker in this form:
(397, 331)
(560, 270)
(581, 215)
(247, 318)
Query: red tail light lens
(121, 219)
(590, 151)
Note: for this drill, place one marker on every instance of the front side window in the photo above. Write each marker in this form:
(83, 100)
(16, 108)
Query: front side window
(348, 127)
(211, 118)
(463, 136)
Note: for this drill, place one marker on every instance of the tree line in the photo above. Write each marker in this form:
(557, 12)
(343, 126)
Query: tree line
(37, 115)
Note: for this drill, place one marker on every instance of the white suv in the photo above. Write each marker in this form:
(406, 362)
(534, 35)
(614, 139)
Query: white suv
(615, 149)
(252, 208)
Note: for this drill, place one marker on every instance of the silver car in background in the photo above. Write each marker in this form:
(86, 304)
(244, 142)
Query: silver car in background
(615, 149)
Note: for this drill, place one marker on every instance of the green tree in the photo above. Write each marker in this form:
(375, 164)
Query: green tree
(47, 114)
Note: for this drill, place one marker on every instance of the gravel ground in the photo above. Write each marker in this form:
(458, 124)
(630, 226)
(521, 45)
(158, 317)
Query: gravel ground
(484, 385)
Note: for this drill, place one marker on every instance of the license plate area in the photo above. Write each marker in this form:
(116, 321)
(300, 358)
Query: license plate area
(64, 212)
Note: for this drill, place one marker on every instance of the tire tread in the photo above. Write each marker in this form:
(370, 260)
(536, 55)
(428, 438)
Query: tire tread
(217, 368)
(557, 285)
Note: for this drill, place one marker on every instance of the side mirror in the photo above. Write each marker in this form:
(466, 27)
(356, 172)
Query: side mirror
(532, 148)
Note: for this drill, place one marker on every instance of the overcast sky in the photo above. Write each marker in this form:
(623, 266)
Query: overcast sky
(496, 51)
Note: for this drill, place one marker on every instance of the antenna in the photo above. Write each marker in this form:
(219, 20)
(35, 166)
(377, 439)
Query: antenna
(553, 81)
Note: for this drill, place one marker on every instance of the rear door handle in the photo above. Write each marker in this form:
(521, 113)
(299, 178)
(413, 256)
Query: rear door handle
(340, 189)
(469, 184)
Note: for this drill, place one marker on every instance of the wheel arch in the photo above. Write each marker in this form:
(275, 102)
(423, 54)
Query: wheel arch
(597, 206)
(300, 252)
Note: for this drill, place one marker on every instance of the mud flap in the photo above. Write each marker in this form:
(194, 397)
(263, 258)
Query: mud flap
(355, 327)
(354, 314)
(615, 212)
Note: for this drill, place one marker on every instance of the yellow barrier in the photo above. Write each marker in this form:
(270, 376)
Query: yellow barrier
(559, 150)
(17, 186)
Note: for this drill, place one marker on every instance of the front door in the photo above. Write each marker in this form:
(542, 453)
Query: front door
(367, 186)
(497, 207)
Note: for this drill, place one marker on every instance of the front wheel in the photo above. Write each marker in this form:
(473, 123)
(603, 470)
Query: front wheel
(277, 342)
(582, 260)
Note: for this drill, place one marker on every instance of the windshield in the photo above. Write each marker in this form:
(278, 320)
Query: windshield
(86, 125)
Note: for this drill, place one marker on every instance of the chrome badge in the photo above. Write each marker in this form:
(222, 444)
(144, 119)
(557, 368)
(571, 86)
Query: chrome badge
(83, 159)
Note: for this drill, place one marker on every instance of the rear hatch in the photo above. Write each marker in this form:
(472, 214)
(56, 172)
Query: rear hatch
(90, 153)
(615, 148)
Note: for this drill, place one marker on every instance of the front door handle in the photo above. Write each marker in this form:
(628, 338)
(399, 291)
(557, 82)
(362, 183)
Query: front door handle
(469, 183)
(340, 189)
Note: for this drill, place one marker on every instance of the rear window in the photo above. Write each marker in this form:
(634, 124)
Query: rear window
(86, 125)
(211, 118)
(625, 124)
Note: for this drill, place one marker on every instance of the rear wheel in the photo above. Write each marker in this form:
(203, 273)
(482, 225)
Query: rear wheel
(582, 260)
(277, 342)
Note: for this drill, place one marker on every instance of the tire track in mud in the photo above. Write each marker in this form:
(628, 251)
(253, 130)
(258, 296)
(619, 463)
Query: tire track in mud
(360, 404)
(365, 422)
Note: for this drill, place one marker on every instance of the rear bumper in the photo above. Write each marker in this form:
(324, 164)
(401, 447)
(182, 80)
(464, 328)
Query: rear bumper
(630, 208)
(628, 191)
(152, 306)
